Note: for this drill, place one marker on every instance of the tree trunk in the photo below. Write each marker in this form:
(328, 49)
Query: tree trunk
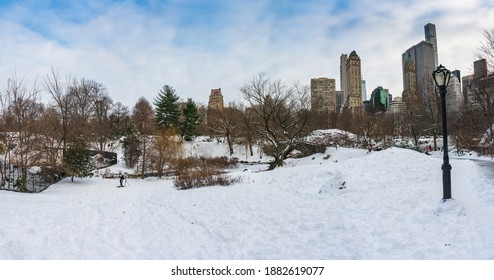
(230, 145)
(435, 140)
(143, 158)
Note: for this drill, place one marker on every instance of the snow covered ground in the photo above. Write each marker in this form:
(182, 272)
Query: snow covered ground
(352, 205)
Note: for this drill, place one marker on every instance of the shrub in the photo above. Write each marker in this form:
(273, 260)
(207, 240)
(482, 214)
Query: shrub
(196, 172)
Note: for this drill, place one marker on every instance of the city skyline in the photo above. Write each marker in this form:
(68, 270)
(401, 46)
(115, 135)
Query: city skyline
(135, 47)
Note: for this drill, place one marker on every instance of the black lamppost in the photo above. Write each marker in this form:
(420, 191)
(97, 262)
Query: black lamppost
(441, 76)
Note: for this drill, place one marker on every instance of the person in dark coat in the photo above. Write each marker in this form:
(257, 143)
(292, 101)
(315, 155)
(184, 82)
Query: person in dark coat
(122, 178)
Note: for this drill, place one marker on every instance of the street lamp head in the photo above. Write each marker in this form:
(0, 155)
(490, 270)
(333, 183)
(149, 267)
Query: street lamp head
(441, 76)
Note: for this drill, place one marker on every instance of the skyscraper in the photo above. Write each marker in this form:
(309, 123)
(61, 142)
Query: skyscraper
(343, 76)
(364, 91)
(215, 100)
(353, 82)
(424, 58)
(409, 80)
(380, 99)
(430, 36)
(454, 98)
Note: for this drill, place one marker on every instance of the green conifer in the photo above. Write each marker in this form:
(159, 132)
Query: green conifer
(77, 159)
(167, 108)
(191, 120)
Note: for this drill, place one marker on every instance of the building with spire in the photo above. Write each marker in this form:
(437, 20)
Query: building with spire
(351, 81)
(409, 80)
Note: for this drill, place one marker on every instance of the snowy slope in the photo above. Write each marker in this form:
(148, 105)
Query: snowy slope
(388, 208)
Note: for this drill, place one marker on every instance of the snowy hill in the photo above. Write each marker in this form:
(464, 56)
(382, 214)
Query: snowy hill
(344, 204)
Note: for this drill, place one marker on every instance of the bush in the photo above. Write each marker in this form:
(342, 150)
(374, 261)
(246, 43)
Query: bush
(307, 149)
(196, 172)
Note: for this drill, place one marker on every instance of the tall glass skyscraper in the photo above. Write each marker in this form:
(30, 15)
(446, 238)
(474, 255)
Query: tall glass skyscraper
(430, 36)
(425, 59)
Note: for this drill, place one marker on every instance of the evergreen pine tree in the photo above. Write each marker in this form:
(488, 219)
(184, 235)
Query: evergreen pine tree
(167, 108)
(191, 120)
(77, 159)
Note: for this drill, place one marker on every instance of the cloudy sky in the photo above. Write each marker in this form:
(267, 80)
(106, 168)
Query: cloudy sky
(135, 47)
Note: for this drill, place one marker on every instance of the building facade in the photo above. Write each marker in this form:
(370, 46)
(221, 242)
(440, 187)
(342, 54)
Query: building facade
(343, 76)
(409, 80)
(323, 95)
(397, 106)
(430, 36)
(454, 96)
(215, 100)
(364, 91)
(479, 82)
(380, 99)
(339, 101)
(424, 56)
(353, 89)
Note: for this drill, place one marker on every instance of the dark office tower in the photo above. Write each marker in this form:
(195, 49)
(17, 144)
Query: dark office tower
(430, 36)
(425, 60)
(457, 74)
(480, 68)
(422, 56)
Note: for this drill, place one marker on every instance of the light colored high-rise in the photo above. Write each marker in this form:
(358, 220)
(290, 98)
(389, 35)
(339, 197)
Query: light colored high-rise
(343, 75)
(323, 95)
(409, 80)
(215, 100)
(396, 106)
(353, 82)
(454, 98)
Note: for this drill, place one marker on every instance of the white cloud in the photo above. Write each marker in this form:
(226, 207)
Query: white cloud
(134, 52)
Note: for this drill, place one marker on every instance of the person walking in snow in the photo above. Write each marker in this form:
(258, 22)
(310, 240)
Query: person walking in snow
(122, 178)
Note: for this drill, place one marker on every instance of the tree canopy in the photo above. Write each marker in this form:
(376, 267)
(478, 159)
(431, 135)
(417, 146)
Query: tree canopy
(77, 159)
(167, 108)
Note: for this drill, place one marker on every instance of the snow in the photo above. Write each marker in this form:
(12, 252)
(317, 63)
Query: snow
(348, 205)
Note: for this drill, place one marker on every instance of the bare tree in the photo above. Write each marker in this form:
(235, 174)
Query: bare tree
(413, 117)
(59, 91)
(167, 150)
(476, 120)
(278, 114)
(83, 96)
(120, 121)
(102, 107)
(226, 122)
(51, 136)
(431, 109)
(144, 120)
(20, 112)
(486, 49)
